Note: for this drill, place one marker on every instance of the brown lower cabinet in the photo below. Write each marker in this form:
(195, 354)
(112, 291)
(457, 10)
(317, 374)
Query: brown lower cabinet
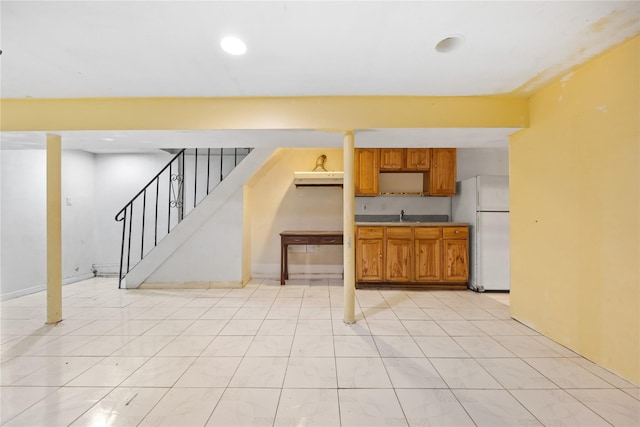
(418, 256)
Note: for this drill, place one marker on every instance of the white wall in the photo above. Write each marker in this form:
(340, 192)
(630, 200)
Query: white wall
(118, 177)
(78, 214)
(482, 161)
(23, 201)
(213, 252)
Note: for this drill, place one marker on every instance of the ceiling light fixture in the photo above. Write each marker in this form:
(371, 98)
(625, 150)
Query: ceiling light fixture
(450, 43)
(233, 46)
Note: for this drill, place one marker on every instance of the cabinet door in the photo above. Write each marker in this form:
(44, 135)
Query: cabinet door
(366, 171)
(398, 260)
(391, 158)
(369, 259)
(442, 175)
(456, 255)
(428, 260)
(418, 158)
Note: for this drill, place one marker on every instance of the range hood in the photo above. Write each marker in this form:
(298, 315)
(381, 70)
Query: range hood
(318, 179)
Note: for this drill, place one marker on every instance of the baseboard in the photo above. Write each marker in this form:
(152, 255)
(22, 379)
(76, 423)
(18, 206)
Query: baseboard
(40, 288)
(190, 285)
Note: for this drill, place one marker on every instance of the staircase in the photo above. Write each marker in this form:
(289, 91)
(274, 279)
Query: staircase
(159, 218)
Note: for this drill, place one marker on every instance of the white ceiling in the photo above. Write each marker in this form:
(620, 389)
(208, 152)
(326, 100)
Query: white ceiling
(75, 49)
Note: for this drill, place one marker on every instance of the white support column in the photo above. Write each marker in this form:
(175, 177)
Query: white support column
(348, 195)
(54, 229)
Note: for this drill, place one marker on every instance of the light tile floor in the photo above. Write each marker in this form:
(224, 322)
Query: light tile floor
(268, 355)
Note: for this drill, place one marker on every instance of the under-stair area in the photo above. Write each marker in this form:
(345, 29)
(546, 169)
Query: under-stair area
(184, 196)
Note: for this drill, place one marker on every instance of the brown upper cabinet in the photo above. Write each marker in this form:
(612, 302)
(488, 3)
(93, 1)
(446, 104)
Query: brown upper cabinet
(418, 158)
(442, 175)
(437, 165)
(366, 171)
(404, 159)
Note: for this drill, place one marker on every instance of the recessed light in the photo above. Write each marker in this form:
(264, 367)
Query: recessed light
(233, 45)
(450, 43)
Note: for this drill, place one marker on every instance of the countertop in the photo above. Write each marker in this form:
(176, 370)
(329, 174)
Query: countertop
(408, 221)
(411, 224)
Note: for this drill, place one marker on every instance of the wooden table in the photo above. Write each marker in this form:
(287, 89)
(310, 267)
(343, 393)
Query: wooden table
(303, 238)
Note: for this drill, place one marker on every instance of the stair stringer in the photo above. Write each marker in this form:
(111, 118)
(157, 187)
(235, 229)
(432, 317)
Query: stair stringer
(197, 218)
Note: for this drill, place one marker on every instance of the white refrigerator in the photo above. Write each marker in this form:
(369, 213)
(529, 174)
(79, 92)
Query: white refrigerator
(483, 202)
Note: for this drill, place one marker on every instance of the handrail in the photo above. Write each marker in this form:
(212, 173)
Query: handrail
(171, 185)
(150, 182)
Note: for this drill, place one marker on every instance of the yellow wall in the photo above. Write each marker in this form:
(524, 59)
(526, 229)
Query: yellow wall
(575, 212)
(278, 206)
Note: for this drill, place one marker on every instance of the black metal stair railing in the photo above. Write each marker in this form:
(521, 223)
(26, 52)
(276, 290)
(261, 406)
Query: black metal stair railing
(170, 196)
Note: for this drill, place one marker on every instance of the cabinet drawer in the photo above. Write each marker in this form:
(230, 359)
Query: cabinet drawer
(330, 240)
(427, 232)
(455, 232)
(399, 233)
(290, 240)
(370, 232)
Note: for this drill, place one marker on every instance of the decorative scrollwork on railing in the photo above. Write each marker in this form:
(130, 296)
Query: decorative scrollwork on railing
(168, 197)
(175, 201)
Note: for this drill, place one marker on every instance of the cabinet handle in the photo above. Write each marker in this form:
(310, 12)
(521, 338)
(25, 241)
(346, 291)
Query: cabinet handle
(457, 231)
(380, 255)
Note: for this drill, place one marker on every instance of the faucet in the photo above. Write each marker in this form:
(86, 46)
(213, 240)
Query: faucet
(402, 215)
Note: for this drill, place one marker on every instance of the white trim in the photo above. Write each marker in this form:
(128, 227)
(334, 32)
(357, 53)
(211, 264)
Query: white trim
(40, 288)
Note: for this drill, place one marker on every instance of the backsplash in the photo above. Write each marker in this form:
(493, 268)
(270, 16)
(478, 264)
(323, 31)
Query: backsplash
(411, 205)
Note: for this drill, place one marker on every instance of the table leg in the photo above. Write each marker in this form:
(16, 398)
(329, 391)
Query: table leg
(283, 264)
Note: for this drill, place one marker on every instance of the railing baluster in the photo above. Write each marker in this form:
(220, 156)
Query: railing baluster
(124, 228)
(126, 213)
(182, 188)
(155, 236)
(208, 167)
(129, 246)
(221, 162)
(144, 213)
(195, 181)
(169, 204)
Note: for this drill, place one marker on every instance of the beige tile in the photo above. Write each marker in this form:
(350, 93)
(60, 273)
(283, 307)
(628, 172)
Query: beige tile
(558, 408)
(615, 406)
(184, 407)
(57, 371)
(109, 372)
(263, 372)
(159, 372)
(122, 407)
(370, 407)
(308, 407)
(186, 345)
(60, 408)
(17, 399)
(433, 407)
(312, 346)
(464, 374)
(493, 408)
(516, 374)
(209, 372)
(241, 407)
(311, 372)
(360, 372)
(414, 372)
(228, 346)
